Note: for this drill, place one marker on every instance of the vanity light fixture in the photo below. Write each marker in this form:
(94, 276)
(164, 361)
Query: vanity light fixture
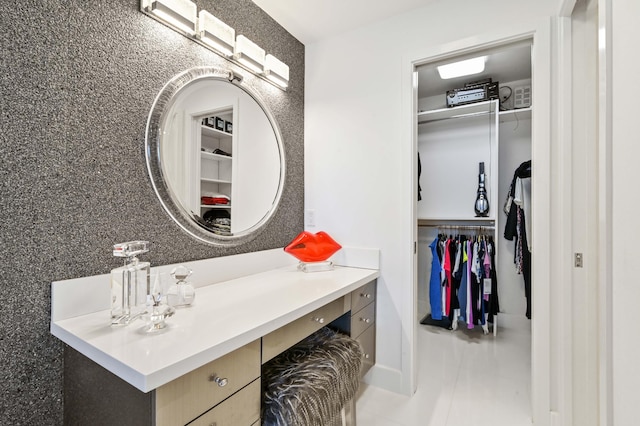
(249, 54)
(216, 34)
(178, 14)
(462, 68)
(210, 32)
(276, 71)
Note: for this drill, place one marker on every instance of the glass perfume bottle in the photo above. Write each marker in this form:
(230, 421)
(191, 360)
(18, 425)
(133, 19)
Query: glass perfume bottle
(158, 310)
(182, 293)
(129, 283)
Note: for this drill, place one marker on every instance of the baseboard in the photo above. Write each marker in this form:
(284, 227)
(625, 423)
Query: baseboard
(386, 378)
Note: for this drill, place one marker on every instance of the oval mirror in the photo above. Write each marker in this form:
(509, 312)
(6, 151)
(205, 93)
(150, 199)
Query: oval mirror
(214, 155)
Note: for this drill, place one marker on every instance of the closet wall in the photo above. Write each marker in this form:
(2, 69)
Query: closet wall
(515, 148)
(470, 140)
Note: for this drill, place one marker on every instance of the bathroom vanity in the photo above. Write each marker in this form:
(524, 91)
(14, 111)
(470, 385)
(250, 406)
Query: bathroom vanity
(205, 368)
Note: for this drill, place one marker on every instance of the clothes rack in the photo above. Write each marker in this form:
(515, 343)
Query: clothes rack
(479, 305)
(459, 227)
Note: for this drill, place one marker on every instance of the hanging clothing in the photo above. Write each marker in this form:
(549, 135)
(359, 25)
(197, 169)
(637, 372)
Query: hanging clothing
(478, 293)
(469, 285)
(511, 227)
(454, 281)
(419, 173)
(447, 271)
(517, 229)
(525, 268)
(462, 273)
(522, 198)
(494, 301)
(443, 276)
(463, 281)
(435, 283)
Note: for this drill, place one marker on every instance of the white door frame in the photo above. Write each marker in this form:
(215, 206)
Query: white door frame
(605, 228)
(542, 195)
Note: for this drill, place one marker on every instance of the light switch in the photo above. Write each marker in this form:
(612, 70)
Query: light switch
(311, 218)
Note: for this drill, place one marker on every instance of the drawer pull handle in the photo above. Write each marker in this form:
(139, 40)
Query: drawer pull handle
(219, 380)
(319, 320)
(366, 356)
(366, 320)
(214, 424)
(365, 295)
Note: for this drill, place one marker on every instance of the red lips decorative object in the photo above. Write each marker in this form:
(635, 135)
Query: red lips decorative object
(308, 247)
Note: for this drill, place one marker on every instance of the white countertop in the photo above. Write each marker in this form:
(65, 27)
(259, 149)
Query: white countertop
(224, 317)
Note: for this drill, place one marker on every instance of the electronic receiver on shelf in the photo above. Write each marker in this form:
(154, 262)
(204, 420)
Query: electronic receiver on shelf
(478, 91)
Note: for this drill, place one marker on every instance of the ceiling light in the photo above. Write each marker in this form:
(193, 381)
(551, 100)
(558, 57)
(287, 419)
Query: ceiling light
(215, 33)
(179, 14)
(462, 68)
(276, 71)
(249, 54)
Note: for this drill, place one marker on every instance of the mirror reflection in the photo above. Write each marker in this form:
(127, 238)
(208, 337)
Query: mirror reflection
(219, 156)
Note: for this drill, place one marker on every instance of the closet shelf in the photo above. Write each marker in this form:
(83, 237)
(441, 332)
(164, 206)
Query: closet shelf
(214, 180)
(514, 115)
(463, 111)
(206, 130)
(216, 157)
(215, 206)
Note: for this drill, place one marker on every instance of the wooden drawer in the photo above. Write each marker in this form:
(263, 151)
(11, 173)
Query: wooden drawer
(368, 342)
(363, 319)
(283, 338)
(363, 296)
(187, 397)
(242, 409)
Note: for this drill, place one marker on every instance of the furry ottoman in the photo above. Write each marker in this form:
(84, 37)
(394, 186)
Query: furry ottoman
(310, 383)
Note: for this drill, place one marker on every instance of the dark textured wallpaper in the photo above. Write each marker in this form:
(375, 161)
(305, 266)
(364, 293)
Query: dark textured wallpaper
(77, 80)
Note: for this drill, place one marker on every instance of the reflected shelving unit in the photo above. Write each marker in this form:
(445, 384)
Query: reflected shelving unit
(216, 164)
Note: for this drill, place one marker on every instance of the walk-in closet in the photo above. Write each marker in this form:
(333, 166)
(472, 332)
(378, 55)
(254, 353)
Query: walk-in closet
(473, 210)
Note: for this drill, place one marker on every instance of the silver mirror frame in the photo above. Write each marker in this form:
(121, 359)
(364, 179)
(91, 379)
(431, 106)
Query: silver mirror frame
(159, 182)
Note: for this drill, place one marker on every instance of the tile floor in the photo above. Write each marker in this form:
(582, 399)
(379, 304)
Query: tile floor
(465, 378)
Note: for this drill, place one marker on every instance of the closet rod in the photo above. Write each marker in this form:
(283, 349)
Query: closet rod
(459, 227)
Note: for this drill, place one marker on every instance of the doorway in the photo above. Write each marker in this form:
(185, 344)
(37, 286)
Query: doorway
(474, 151)
(539, 40)
(453, 147)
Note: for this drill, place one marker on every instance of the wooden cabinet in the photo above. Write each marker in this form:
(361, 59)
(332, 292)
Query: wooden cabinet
(368, 342)
(224, 392)
(243, 408)
(363, 296)
(189, 396)
(282, 339)
(363, 321)
(360, 323)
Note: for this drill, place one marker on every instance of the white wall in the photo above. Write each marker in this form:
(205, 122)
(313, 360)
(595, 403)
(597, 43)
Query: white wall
(625, 208)
(354, 141)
